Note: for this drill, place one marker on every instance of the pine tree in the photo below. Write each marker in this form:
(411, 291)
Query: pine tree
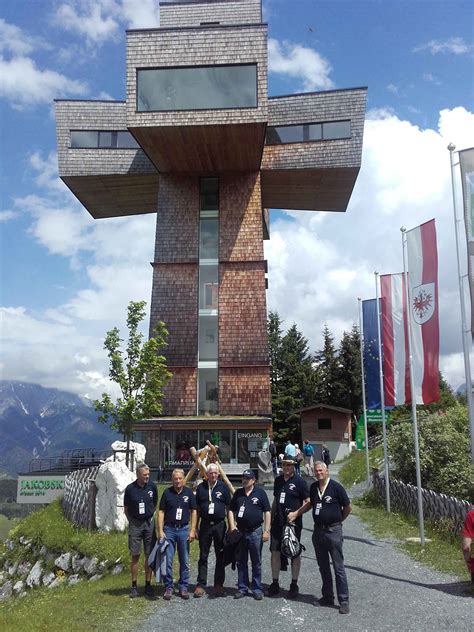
(348, 385)
(326, 366)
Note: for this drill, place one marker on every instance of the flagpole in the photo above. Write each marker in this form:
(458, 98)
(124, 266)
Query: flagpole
(467, 365)
(421, 524)
(366, 434)
(382, 398)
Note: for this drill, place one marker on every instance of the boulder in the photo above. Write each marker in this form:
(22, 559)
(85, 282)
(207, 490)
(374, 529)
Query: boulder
(117, 569)
(13, 569)
(18, 586)
(63, 561)
(111, 481)
(23, 569)
(95, 577)
(34, 577)
(138, 456)
(48, 578)
(6, 590)
(73, 579)
(77, 562)
(90, 565)
(56, 582)
(2, 577)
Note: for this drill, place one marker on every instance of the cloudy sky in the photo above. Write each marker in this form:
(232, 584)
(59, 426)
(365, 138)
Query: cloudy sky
(66, 279)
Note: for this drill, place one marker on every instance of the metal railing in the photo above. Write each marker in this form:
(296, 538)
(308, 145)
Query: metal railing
(71, 459)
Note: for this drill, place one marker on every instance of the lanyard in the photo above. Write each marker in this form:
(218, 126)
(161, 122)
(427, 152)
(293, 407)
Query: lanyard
(210, 490)
(321, 491)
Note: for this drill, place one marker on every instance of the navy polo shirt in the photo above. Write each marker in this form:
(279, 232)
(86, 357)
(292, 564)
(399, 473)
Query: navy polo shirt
(171, 501)
(255, 504)
(220, 497)
(331, 503)
(134, 495)
(295, 491)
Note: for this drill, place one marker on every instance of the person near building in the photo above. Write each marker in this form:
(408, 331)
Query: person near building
(290, 493)
(467, 535)
(250, 507)
(273, 456)
(212, 500)
(299, 458)
(139, 504)
(330, 506)
(308, 452)
(177, 523)
(290, 450)
(325, 455)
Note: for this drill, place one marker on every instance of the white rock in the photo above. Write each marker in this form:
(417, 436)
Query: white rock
(63, 561)
(34, 578)
(111, 481)
(57, 582)
(9, 544)
(138, 456)
(23, 568)
(48, 578)
(43, 551)
(90, 565)
(18, 586)
(13, 569)
(6, 590)
(94, 578)
(73, 579)
(117, 569)
(77, 562)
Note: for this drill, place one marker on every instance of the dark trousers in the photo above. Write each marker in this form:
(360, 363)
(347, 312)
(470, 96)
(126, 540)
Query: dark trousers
(328, 543)
(209, 533)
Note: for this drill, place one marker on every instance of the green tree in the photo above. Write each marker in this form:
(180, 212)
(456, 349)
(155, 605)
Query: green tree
(348, 384)
(447, 399)
(140, 371)
(327, 371)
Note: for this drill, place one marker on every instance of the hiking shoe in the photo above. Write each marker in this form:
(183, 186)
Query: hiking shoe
(326, 601)
(273, 589)
(294, 591)
(344, 607)
(239, 594)
(183, 593)
(149, 592)
(199, 592)
(258, 596)
(168, 594)
(133, 592)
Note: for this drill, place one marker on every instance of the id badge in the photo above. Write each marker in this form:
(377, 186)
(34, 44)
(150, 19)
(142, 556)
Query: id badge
(317, 509)
(210, 510)
(241, 511)
(179, 513)
(141, 508)
(282, 498)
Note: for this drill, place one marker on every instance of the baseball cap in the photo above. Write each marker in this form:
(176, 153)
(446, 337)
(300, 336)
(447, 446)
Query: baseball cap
(248, 474)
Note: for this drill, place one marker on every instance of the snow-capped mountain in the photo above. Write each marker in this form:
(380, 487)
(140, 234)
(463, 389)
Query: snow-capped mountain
(37, 421)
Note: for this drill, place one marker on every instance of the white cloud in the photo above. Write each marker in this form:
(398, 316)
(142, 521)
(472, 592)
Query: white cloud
(430, 78)
(24, 84)
(16, 41)
(453, 45)
(393, 89)
(6, 216)
(300, 62)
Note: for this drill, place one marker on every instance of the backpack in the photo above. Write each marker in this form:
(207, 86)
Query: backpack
(299, 457)
(308, 450)
(291, 547)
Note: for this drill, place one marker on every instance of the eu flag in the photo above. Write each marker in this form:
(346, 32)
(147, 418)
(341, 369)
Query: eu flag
(371, 353)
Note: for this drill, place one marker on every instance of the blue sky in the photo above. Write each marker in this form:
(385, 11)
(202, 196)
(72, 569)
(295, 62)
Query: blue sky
(67, 279)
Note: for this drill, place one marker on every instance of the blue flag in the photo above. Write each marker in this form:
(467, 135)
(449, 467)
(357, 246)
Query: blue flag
(371, 353)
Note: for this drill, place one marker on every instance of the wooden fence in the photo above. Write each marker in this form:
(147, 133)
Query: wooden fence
(404, 497)
(79, 497)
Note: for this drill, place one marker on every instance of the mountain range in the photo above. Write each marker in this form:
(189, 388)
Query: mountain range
(37, 422)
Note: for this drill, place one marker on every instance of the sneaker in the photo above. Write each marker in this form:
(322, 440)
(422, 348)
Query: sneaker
(258, 596)
(344, 607)
(168, 594)
(133, 592)
(273, 589)
(149, 592)
(219, 591)
(294, 591)
(239, 594)
(199, 592)
(183, 593)
(326, 601)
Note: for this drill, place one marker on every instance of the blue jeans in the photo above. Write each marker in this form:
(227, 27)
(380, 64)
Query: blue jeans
(328, 542)
(177, 538)
(252, 544)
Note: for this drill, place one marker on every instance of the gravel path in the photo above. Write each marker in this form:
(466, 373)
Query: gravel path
(388, 591)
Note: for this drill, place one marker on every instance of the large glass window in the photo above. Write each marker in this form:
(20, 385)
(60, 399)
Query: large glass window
(307, 132)
(208, 238)
(208, 390)
(208, 287)
(88, 139)
(208, 337)
(197, 88)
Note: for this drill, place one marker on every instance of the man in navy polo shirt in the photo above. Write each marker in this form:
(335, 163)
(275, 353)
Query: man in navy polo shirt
(290, 493)
(250, 507)
(331, 506)
(139, 504)
(213, 500)
(177, 523)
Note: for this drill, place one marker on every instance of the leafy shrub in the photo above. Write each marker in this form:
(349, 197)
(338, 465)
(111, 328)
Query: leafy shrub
(445, 457)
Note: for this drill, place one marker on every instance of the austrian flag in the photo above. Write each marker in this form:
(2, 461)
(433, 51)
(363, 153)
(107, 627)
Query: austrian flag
(423, 285)
(423, 281)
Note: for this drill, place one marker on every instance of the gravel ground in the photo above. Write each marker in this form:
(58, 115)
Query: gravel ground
(388, 591)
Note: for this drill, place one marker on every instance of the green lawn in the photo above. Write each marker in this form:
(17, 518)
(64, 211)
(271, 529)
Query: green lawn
(5, 525)
(354, 469)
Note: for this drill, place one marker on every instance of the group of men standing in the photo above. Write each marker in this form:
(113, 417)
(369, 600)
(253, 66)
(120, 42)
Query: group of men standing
(184, 516)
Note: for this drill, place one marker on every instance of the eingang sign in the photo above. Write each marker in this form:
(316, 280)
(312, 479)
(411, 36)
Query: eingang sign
(39, 488)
